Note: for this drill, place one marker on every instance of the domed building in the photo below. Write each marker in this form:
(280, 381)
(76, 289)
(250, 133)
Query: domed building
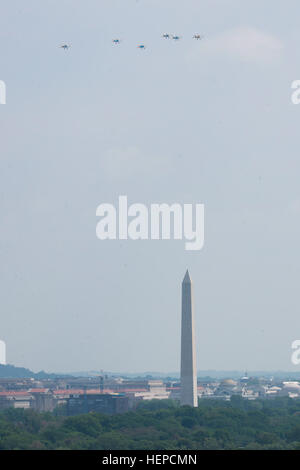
(228, 383)
(227, 388)
(244, 379)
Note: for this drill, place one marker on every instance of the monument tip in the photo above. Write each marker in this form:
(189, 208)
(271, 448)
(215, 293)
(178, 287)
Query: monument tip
(187, 278)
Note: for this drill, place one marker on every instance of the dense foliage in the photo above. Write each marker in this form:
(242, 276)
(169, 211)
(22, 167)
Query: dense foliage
(160, 425)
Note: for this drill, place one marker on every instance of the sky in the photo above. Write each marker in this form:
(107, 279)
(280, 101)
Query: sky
(207, 122)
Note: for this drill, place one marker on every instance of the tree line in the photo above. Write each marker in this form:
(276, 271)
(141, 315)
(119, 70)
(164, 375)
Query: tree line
(159, 425)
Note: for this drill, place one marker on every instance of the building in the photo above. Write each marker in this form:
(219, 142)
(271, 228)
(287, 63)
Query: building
(15, 399)
(97, 402)
(188, 372)
(43, 399)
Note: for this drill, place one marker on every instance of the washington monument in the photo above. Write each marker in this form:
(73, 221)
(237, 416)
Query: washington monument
(188, 372)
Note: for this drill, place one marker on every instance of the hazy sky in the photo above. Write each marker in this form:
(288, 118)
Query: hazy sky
(190, 122)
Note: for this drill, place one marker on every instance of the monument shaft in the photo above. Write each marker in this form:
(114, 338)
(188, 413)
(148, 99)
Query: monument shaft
(188, 372)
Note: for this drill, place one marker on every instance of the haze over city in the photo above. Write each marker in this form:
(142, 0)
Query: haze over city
(207, 122)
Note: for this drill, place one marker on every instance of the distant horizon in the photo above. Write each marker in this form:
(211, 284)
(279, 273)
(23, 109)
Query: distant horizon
(200, 373)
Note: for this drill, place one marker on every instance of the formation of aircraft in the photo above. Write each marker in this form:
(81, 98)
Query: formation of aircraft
(65, 46)
(142, 46)
(168, 36)
(176, 37)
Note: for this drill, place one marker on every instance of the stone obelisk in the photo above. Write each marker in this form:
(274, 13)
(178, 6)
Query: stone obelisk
(188, 372)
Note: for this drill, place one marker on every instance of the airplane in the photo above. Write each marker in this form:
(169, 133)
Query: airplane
(197, 36)
(176, 38)
(166, 36)
(65, 46)
(142, 46)
(116, 41)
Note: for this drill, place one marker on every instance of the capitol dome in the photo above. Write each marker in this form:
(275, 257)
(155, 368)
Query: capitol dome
(228, 383)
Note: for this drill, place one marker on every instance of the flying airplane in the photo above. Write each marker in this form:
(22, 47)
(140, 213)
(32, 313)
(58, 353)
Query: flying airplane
(142, 46)
(197, 36)
(116, 41)
(65, 46)
(166, 36)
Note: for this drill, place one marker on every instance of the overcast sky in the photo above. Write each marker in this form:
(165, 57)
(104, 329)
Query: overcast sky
(190, 122)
